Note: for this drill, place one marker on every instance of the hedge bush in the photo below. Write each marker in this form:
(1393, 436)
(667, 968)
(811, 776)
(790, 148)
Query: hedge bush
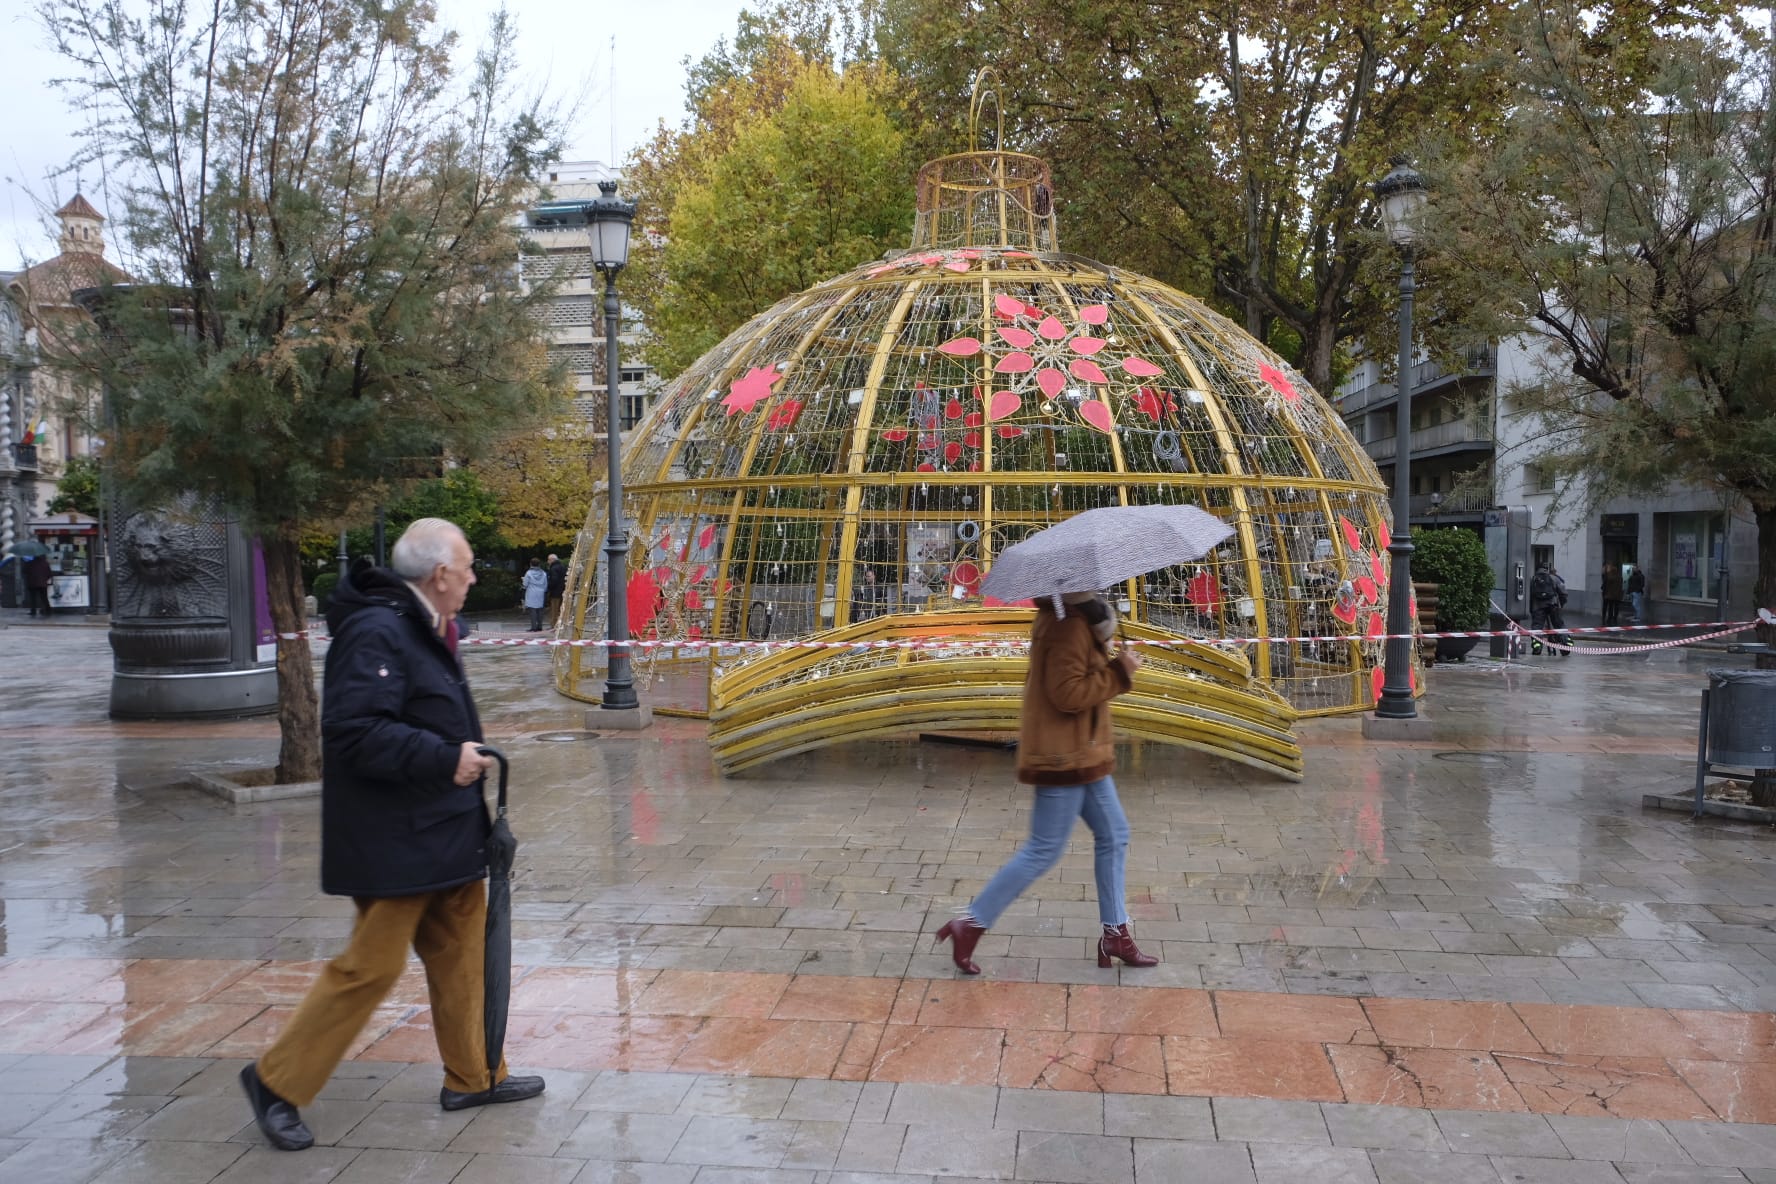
(495, 591)
(1455, 560)
(322, 588)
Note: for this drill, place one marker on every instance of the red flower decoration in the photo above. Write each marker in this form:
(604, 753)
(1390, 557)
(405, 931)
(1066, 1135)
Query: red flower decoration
(1154, 404)
(1279, 382)
(785, 415)
(750, 389)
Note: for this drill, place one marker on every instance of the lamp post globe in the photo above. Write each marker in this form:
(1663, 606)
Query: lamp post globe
(608, 222)
(1401, 194)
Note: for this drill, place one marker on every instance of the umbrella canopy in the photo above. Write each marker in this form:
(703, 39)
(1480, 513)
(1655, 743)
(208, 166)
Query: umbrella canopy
(1098, 548)
(496, 967)
(28, 548)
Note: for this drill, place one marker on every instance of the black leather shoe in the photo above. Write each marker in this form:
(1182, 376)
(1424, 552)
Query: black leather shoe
(276, 1117)
(512, 1089)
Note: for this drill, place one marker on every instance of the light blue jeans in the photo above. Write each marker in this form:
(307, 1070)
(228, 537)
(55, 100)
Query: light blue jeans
(1051, 822)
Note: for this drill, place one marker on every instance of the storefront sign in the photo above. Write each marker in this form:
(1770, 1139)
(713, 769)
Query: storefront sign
(68, 592)
(1619, 526)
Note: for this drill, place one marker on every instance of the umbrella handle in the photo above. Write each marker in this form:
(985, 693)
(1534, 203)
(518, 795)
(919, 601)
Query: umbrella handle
(505, 768)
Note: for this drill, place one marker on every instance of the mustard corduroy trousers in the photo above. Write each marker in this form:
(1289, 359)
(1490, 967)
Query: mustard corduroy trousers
(448, 931)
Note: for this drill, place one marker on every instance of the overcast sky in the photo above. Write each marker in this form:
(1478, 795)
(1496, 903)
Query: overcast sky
(566, 46)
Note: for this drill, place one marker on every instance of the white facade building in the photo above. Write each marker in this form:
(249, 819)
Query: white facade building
(576, 315)
(1474, 447)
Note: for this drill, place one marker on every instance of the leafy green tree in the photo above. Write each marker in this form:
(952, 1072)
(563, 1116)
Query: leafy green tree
(1625, 217)
(326, 221)
(1227, 149)
(77, 488)
(787, 175)
(543, 483)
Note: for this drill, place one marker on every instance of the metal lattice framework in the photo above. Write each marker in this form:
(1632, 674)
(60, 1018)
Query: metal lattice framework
(847, 464)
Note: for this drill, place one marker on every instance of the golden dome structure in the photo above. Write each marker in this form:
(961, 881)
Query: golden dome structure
(839, 473)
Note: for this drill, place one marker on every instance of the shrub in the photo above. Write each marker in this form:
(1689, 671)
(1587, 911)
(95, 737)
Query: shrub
(1455, 560)
(322, 588)
(495, 591)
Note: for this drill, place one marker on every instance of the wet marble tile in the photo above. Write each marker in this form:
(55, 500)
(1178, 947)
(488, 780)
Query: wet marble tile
(1423, 1077)
(1098, 1062)
(815, 998)
(938, 1055)
(708, 993)
(1249, 1067)
(1423, 1023)
(1607, 1031)
(1157, 1011)
(1735, 1091)
(769, 1048)
(984, 1004)
(1312, 1018)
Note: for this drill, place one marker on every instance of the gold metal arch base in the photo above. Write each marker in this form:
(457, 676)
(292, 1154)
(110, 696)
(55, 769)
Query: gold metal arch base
(913, 672)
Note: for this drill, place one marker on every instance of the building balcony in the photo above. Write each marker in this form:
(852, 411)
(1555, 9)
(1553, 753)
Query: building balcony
(1427, 376)
(1453, 506)
(24, 457)
(1457, 435)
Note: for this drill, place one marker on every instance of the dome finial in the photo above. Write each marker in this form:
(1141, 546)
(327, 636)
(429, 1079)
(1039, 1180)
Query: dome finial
(985, 197)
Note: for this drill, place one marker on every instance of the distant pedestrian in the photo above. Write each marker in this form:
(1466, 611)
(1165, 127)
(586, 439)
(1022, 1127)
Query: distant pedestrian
(1637, 593)
(557, 587)
(866, 600)
(1066, 751)
(1547, 593)
(38, 577)
(536, 592)
(403, 833)
(1612, 593)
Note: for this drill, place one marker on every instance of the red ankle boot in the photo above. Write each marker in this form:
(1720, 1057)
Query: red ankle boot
(1120, 943)
(964, 935)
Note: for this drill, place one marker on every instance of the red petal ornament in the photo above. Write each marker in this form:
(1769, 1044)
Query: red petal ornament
(1141, 367)
(1051, 328)
(1014, 364)
(1087, 345)
(1087, 371)
(953, 409)
(1052, 381)
(952, 451)
(1352, 539)
(1095, 314)
(1097, 414)
(1008, 432)
(1021, 338)
(1002, 404)
(707, 538)
(1005, 306)
(961, 347)
(895, 434)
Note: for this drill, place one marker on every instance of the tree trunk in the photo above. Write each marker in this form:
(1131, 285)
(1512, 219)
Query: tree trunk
(1763, 595)
(299, 714)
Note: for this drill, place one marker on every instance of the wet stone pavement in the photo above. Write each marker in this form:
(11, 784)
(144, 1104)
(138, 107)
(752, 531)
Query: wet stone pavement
(1472, 957)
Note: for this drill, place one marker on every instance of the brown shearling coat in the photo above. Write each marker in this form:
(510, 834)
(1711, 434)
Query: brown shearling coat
(1064, 736)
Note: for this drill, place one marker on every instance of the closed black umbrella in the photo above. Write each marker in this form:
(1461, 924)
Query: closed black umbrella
(497, 968)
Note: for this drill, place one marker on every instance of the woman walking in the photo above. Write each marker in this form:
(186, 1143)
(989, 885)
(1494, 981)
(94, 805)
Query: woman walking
(1066, 752)
(536, 592)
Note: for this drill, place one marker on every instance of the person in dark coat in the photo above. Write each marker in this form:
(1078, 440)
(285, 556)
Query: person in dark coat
(1612, 593)
(557, 586)
(403, 832)
(37, 581)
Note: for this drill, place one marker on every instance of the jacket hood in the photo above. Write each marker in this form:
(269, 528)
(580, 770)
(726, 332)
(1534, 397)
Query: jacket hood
(367, 586)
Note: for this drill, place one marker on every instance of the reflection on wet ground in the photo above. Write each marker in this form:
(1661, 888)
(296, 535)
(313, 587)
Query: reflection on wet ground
(1459, 922)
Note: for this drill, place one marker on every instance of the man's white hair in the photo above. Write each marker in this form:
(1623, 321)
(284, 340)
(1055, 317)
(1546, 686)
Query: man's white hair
(426, 544)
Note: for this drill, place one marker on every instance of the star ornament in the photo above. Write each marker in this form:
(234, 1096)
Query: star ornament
(750, 389)
(1278, 382)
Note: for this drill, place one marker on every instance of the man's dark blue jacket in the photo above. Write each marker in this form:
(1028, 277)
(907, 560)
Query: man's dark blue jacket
(395, 711)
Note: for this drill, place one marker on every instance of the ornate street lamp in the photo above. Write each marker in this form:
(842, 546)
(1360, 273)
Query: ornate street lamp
(1402, 196)
(608, 219)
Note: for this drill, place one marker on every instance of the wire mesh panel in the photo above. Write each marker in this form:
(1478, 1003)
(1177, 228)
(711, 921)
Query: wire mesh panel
(865, 449)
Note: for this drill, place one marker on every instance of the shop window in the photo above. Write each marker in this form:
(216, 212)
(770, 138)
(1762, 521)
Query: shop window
(1693, 571)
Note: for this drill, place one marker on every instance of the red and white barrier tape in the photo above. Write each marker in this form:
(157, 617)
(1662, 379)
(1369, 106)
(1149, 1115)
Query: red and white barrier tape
(1717, 629)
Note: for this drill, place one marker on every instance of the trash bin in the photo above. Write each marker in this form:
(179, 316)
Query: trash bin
(1500, 646)
(1742, 718)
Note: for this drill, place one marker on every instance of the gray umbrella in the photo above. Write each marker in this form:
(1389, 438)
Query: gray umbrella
(1098, 548)
(28, 549)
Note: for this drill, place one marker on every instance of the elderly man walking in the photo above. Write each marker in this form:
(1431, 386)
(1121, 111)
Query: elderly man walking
(403, 833)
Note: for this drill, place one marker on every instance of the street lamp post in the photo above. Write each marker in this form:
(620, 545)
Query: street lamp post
(1402, 195)
(608, 219)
